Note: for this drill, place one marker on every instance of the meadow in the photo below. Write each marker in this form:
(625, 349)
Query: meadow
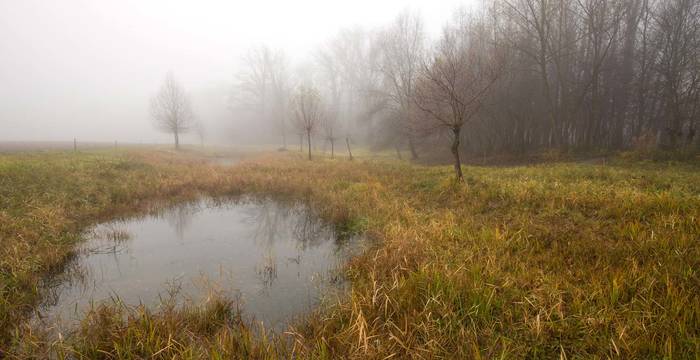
(560, 260)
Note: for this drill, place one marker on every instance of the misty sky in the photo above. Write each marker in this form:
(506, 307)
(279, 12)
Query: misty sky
(87, 69)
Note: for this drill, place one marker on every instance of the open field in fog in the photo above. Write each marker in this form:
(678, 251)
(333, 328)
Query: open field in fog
(19, 146)
(557, 260)
(36, 146)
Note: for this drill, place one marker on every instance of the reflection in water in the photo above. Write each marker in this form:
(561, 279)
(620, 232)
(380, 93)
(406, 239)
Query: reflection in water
(277, 259)
(267, 271)
(180, 217)
(308, 231)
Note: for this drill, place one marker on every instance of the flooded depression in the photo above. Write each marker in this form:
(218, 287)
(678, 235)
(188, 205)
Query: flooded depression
(276, 259)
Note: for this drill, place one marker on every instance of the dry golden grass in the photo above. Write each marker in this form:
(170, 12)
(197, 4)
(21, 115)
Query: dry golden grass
(547, 261)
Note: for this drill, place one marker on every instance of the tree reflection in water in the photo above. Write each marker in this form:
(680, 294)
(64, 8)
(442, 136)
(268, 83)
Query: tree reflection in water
(180, 217)
(277, 257)
(274, 221)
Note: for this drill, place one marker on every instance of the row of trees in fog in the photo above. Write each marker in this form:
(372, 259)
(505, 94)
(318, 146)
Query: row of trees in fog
(594, 74)
(511, 76)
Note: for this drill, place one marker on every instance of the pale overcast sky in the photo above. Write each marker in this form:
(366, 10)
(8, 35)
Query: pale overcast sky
(87, 68)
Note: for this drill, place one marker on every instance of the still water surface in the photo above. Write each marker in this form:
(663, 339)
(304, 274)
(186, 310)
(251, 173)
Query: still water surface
(277, 259)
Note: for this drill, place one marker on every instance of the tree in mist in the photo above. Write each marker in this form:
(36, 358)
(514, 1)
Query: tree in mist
(201, 132)
(456, 80)
(307, 108)
(331, 75)
(401, 48)
(263, 88)
(171, 109)
(329, 124)
(677, 44)
(346, 75)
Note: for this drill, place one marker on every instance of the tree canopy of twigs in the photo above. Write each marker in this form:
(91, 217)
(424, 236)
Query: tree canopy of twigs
(454, 83)
(308, 111)
(171, 109)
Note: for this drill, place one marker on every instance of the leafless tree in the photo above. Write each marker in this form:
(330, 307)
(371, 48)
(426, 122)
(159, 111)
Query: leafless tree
(455, 82)
(201, 132)
(262, 88)
(332, 77)
(347, 144)
(171, 109)
(329, 126)
(677, 44)
(350, 83)
(307, 108)
(402, 51)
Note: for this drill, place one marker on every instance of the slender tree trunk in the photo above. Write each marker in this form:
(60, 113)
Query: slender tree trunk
(398, 152)
(412, 147)
(455, 152)
(332, 149)
(308, 138)
(301, 142)
(347, 142)
(177, 140)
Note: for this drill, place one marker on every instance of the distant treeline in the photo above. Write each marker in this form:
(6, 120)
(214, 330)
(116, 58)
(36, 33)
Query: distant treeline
(510, 76)
(593, 74)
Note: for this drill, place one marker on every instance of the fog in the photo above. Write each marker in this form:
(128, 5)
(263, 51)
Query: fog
(87, 69)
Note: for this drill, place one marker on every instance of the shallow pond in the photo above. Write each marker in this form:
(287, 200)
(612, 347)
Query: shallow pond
(277, 259)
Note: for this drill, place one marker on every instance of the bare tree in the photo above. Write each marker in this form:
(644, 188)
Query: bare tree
(262, 88)
(349, 83)
(329, 124)
(677, 44)
(201, 132)
(454, 84)
(402, 52)
(171, 109)
(332, 76)
(347, 143)
(307, 108)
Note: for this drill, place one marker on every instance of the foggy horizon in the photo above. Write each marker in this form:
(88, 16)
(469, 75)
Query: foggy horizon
(87, 69)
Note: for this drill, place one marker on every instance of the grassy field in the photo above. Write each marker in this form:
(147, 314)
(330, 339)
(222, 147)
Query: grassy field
(562, 260)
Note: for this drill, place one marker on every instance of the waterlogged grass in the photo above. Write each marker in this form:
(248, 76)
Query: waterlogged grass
(46, 199)
(547, 261)
(212, 330)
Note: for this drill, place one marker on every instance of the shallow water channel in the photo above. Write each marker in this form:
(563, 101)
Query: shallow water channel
(277, 259)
